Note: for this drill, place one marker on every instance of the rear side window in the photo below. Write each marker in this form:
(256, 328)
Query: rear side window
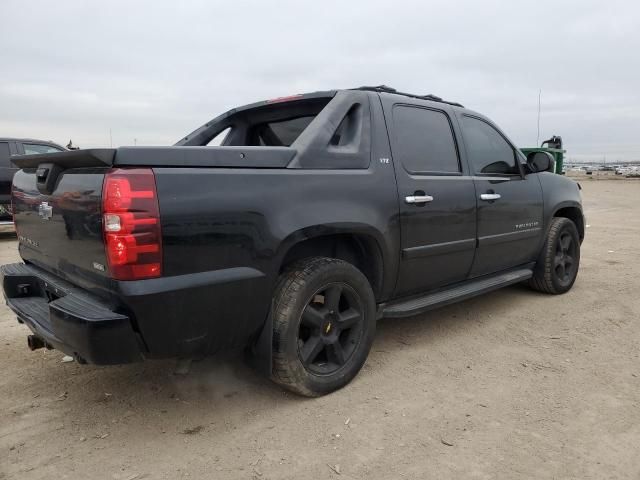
(423, 140)
(489, 152)
(4, 154)
(34, 148)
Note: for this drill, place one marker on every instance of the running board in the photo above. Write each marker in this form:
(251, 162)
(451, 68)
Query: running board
(417, 305)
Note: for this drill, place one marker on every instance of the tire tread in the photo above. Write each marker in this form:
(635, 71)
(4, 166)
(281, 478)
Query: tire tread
(542, 279)
(291, 282)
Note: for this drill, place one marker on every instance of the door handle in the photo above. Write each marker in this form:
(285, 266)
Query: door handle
(489, 197)
(418, 199)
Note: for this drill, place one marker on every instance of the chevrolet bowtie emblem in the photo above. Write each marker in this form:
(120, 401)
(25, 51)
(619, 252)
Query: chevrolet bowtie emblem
(45, 210)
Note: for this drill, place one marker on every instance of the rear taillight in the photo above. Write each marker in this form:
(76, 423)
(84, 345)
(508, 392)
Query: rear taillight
(131, 224)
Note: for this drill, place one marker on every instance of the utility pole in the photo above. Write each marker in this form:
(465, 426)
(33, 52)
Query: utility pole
(110, 139)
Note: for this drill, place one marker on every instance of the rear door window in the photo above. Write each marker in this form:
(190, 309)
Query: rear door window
(423, 140)
(35, 148)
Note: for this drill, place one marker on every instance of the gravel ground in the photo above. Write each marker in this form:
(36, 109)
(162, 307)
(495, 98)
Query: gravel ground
(514, 384)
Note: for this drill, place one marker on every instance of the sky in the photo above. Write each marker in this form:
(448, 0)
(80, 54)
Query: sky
(148, 72)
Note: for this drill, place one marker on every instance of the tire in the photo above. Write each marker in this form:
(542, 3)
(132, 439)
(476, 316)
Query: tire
(557, 266)
(324, 323)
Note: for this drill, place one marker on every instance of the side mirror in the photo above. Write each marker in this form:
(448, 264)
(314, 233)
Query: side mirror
(540, 162)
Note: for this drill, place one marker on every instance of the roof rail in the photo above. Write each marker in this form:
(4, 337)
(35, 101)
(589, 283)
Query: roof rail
(386, 89)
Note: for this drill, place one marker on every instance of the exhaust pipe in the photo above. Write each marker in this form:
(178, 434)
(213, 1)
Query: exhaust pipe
(35, 343)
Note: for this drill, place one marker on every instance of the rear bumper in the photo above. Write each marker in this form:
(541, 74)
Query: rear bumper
(68, 318)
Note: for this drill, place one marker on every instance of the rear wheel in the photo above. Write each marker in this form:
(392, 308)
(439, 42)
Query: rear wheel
(557, 267)
(324, 325)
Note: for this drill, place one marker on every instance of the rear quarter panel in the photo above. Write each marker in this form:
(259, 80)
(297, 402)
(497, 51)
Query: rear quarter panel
(225, 219)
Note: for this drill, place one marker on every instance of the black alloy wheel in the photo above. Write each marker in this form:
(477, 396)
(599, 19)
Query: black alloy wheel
(330, 328)
(557, 266)
(324, 322)
(564, 262)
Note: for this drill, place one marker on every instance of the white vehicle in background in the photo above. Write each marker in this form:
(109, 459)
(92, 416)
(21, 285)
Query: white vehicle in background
(633, 173)
(627, 170)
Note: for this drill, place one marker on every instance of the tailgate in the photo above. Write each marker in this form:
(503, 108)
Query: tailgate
(57, 211)
(57, 200)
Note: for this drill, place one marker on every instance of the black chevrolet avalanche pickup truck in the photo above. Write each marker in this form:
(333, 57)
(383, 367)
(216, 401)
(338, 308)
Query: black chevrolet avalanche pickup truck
(288, 226)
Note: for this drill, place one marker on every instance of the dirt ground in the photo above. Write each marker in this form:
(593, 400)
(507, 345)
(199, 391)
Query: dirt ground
(512, 385)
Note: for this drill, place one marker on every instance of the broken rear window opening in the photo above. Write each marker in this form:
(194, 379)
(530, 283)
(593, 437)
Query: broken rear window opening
(278, 134)
(265, 124)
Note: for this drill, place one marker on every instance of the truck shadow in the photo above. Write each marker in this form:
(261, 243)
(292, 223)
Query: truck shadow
(222, 391)
(438, 325)
(225, 377)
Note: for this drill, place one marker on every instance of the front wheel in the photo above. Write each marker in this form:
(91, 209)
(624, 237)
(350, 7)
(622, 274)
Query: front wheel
(324, 324)
(557, 267)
